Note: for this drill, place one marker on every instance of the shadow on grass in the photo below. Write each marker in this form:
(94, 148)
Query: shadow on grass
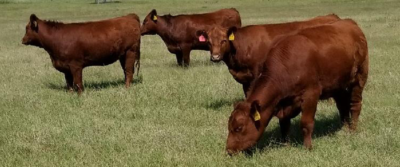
(105, 2)
(99, 85)
(196, 63)
(325, 126)
(217, 104)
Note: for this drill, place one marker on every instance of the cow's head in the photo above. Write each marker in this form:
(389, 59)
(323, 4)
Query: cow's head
(150, 23)
(219, 40)
(32, 32)
(244, 127)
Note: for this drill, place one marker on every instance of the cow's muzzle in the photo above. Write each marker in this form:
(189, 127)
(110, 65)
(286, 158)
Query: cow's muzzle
(215, 58)
(25, 41)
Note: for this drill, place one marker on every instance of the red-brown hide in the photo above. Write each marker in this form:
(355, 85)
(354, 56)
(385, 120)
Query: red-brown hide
(245, 54)
(75, 46)
(179, 32)
(315, 63)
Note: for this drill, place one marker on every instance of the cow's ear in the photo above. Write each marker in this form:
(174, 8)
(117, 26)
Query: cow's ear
(153, 15)
(202, 36)
(231, 33)
(34, 22)
(255, 111)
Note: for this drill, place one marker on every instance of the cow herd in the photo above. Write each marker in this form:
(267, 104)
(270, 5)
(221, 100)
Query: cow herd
(285, 69)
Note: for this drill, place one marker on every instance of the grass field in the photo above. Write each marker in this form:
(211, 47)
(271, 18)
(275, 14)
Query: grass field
(178, 117)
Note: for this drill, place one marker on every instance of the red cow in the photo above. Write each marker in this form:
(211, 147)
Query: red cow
(315, 63)
(75, 46)
(179, 32)
(243, 49)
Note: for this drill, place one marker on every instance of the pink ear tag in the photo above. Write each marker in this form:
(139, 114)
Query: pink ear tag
(202, 38)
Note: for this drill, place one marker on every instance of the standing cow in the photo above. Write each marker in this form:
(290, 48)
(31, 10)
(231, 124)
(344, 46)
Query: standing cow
(179, 32)
(243, 49)
(75, 46)
(316, 63)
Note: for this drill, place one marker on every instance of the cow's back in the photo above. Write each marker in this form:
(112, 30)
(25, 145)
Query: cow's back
(98, 42)
(113, 28)
(194, 22)
(259, 38)
(224, 17)
(342, 49)
(328, 55)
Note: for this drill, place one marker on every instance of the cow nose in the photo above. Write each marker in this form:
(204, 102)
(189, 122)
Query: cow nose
(215, 57)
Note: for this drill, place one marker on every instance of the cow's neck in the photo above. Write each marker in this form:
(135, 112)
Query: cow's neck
(164, 30)
(234, 60)
(47, 38)
(267, 93)
(229, 60)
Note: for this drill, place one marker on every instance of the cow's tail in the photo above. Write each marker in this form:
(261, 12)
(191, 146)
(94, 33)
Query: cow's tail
(137, 63)
(363, 66)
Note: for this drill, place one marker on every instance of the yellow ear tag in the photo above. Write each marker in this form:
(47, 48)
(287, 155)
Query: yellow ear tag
(257, 116)
(154, 17)
(231, 37)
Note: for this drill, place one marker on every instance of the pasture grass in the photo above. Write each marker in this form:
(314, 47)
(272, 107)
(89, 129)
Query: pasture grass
(173, 116)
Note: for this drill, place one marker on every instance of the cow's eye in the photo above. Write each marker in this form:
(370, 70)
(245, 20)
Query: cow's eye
(223, 41)
(238, 129)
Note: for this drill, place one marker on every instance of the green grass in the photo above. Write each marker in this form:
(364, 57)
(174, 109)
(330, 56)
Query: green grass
(178, 117)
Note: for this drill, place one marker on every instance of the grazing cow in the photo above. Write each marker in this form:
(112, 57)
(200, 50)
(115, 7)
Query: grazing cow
(315, 63)
(179, 32)
(75, 46)
(243, 49)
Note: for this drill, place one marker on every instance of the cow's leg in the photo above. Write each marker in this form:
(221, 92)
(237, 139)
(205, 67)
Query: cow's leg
(70, 81)
(355, 105)
(129, 67)
(77, 77)
(122, 62)
(136, 53)
(356, 93)
(285, 129)
(309, 106)
(179, 58)
(246, 89)
(186, 57)
(342, 100)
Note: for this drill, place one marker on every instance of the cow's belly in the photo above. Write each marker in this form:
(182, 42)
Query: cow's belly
(288, 108)
(173, 49)
(61, 66)
(101, 60)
